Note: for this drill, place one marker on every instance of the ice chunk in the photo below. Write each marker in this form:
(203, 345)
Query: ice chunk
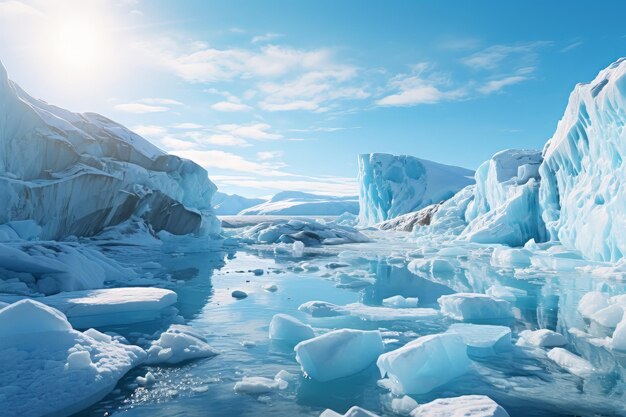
(371, 313)
(619, 336)
(47, 368)
(403, 405)
(338, 353)
(465, 406)
(147, 380)
(178, 344)
(425, 363)
(592, 302)
(399, 301)
(306, 231)
(288, 329)
(474, 307)
(352, 412)
(297, 203)
(503, 292)
(541, 338)
(483, 340)
(322, 309)
(609, 316)
(259, 385)
(270, 287)
(573, 364)
(112, 306)
(503, 256)
(297, 249)
(390, 185)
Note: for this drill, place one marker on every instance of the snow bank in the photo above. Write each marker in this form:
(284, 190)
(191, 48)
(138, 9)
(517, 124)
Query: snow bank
(75, 174)
(583, 180)
(505, 208)
(338, 353)
(296, 203)
(47, 368)
(474, 307)
(111, 306)
(288, 329)
(178, 344)
(390, 185)
(307, 231)
(425, 363)
(465, 406)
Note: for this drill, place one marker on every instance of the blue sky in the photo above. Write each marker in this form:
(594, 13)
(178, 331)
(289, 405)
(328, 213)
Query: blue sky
(275, 95)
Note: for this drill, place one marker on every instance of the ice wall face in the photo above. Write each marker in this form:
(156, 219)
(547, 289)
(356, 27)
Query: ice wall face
(390, 185)
(583, 177)
(75, 174)
(505, 207)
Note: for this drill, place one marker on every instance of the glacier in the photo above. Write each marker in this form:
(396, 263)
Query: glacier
(230, 204)
(49, 156)
(297, 203)
(391, 185)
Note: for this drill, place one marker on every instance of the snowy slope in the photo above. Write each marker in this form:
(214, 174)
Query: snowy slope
(230, 204)
(391, 185)
(75, 174)
(583, 186)
(304, 204)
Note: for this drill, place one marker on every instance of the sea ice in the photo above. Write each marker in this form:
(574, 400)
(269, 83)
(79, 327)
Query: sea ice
(619, 336)
(111, 306)
(464, 406)
(259, 385)
(592, 302)
(541, 338)
(398, 301)
(322, 309)
(178, 344)
(307, 231)
(47, 368)
(403, 405)
(573, 364)
(510, 294)
(425, 363)
(288, 329)
(338, 353)
(474, 307)
(352, 412)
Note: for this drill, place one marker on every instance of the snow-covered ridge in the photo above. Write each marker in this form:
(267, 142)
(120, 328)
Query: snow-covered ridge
(583, 176)
(390, 185)
(76, 174)
(231, 204)
(297, 203)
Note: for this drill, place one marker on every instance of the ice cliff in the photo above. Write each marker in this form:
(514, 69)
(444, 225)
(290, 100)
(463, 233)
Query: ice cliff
(583, 176)
(75, 174)
(392, 185)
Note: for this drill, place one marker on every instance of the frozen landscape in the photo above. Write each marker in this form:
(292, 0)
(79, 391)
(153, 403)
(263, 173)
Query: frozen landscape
(129, 286)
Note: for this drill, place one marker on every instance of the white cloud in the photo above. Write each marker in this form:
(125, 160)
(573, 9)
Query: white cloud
(336, 186)
(266, 37)
(219, 139)
(497, 85)
(187, 126)
(214, 159)
(256, 131)
(229, 106)
(266, 155)
(149, 131)
(162, 101)
(497, 56)
(174, 144)
(140, 108)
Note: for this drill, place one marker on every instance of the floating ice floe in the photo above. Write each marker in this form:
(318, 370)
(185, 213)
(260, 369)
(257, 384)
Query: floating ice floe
(483, 339)
(288, 329)
(541, 338)
(403, 405)
(352, 412)
(178, 344)
(572, 363)
(592, 302)
(464, 406)
(307, 231)
(47, 368)
(503, 292)
(474, 307)
(259, 385)
(338, 353)
(374, 313)
(398, 301)
(505, 257)
(112, 306)
(322, 309)
(425, 363)
(270, 287)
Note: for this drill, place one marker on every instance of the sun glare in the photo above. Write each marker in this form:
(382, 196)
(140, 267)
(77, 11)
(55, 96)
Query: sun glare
(76, 43)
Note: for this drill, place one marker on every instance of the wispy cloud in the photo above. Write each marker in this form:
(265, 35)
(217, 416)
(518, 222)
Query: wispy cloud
(497, 85)
(266, 155)
(573, 45)
(496, 56)
(140, 108)
(255, 131)
(214, 159)
(336, 186)
(229, 106)
(266, 37)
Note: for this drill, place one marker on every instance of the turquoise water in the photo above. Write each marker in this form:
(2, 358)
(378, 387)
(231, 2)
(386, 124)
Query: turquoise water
(525, 385)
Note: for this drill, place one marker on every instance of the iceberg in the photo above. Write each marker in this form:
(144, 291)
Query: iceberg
(464, 406)
(390, 186)
(583, 180)
(177, 344)
(541, 338)
(288, 329)
(425, 363)
(297, 203)
(48, 368)
(76, 174)
(338, 353)
(259, 385)
(474, 307)
(307, 231)
(231, 204)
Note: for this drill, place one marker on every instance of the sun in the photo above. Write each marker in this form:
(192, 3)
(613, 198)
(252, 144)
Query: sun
(77, 43)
